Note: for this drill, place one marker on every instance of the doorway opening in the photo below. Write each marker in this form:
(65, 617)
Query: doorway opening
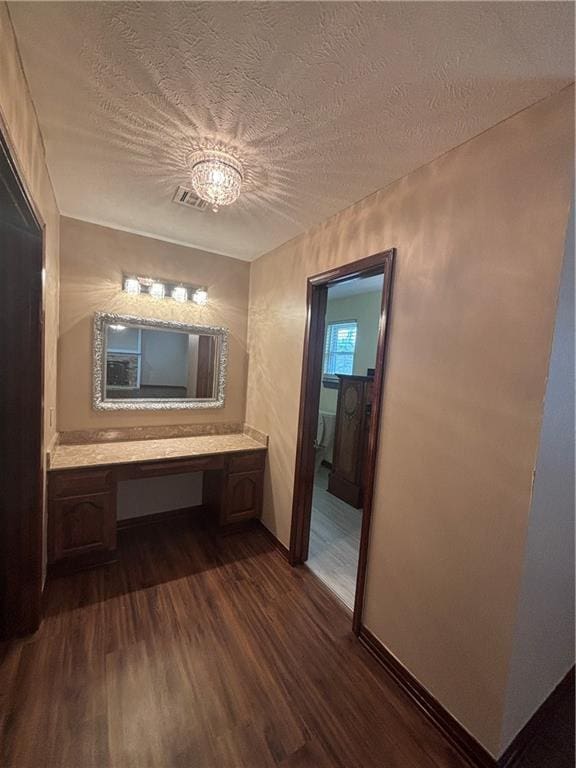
(342, 379)
(21, 406)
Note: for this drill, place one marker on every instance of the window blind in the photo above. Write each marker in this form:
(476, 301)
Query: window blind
(340, 347)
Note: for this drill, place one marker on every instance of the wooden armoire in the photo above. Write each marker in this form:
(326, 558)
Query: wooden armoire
(346, 480)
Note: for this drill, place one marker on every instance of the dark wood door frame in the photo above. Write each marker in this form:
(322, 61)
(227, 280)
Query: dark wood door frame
(317, 295)
(21, 403)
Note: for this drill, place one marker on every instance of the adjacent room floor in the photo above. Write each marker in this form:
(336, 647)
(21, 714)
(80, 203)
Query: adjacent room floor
(200, 652)
(334, 540)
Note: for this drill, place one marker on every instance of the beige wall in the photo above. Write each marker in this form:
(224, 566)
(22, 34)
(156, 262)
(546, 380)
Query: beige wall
(480, 235)
(92, 260)
(19, 125)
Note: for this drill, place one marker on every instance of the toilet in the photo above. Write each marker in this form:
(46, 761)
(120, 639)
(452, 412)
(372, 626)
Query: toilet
(324, 438)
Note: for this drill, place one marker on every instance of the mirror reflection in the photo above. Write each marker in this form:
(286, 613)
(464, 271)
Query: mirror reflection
(157, 363)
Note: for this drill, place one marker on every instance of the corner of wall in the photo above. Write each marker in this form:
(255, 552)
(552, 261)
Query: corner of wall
(543, 644)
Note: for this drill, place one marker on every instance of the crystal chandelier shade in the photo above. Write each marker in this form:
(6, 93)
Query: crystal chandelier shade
(216, 177)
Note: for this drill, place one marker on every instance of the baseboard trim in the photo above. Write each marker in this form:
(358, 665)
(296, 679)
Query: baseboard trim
(272, 539)
(515, 751)
(160, 517)
(450, 728)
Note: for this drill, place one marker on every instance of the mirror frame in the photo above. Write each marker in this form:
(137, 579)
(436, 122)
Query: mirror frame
(99, 401)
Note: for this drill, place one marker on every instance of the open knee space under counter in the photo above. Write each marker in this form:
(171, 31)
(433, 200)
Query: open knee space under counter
(83, 481)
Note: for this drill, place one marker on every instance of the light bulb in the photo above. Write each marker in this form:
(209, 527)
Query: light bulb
(156, 290)
(131, 285)
(200, 296)
(179, 293)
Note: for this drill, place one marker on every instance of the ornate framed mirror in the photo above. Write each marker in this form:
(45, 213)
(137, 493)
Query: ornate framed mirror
(147, 364)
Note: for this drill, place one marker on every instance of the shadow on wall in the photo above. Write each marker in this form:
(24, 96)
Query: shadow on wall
(91, 279)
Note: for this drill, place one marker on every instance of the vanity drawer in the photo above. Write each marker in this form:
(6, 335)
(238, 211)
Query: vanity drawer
(245, 462)
(78, 482)
(174, 467)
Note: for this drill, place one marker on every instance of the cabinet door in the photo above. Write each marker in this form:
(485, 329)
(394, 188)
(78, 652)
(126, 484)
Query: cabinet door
(243, 496)
(82, 525)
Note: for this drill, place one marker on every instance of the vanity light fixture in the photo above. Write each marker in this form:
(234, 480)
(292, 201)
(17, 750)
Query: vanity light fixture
(216, 177)
(117, 327)
(180, 293)
(200, 296)
(165, 289)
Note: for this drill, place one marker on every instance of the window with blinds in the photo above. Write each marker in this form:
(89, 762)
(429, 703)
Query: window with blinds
(340, 347)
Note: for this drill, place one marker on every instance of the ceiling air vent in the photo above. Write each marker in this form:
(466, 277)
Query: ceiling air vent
(184, 196)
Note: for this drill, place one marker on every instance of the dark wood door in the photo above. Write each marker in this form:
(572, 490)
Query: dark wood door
(21, 387)
(205, 373)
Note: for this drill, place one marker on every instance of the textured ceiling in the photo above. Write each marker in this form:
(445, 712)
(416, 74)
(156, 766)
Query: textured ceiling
(324, 102)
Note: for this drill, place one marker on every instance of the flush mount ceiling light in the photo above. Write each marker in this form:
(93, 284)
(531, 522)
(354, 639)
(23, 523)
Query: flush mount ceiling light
(216, 177)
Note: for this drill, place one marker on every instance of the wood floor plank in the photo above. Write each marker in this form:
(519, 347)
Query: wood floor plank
(203, 652)
(334, 540)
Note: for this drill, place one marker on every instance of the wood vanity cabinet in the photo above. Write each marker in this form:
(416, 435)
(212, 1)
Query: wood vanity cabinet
(346, 480)
(81, 518)
(243, 498)
(237, 497)
(82, 502)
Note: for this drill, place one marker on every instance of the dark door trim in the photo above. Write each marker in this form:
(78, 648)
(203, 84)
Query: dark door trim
(21, 403)
(317, 294)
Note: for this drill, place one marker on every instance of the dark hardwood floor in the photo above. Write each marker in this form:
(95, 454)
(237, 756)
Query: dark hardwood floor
(554, 743)
(200, 652)
(194, 651)
(206, 652)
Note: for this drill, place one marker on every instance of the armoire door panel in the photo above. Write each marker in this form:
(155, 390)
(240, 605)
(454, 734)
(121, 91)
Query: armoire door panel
(346, 480)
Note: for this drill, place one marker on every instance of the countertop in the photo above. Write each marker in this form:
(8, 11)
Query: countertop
(102, 454)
